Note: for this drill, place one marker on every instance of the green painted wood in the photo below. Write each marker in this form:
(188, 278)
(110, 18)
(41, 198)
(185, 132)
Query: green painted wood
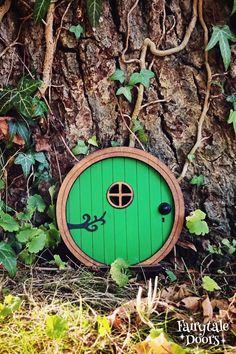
(119, 214)
(134, 233)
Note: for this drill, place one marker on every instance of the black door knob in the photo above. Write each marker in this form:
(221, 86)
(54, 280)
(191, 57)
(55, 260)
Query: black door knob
(165, 208)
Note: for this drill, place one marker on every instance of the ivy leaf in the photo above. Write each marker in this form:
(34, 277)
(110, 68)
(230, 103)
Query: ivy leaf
(26, 160)
(36, 202)
(28, 86)
(118, 75)
(195, 223)
(39, 107)
(126, 91)
(232, 119)
(191, 157)
(137, 126)
(23, 131)
(2, 184)
(8, 258)
(142, 136)
(141, 78)
(234, 8)
(41, 158)
(197, 180)
(40, 10)
(12, 130)
(81, 148)
(103, 325)
(37, 243)
(222, 35)
(118, 272)
(7, 222)
(24, 105)
(93, 141)
(231, 99)
(94, 10)
(209, 284)
(7, 99)
(56, 326)
(77, 30)
(139, 130)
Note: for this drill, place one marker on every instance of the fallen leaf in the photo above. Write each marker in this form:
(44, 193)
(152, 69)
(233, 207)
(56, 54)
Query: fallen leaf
(156, 345)
(207, 309)
(221, 304)
(175, 293)
(191, 303)
(187, 245)
(4, 131)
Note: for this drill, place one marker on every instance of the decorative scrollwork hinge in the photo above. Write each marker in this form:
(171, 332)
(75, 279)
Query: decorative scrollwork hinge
(88, 224)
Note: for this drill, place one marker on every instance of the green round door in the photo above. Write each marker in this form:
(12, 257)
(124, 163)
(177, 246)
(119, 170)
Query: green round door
(120, 207)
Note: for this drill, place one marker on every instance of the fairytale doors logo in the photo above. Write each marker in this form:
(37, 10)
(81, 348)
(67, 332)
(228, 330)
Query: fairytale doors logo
(211, 333)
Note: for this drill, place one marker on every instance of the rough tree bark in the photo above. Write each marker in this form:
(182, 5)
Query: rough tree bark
(83, 100)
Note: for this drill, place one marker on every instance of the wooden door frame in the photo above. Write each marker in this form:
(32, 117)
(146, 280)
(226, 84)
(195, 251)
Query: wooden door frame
(128, 152)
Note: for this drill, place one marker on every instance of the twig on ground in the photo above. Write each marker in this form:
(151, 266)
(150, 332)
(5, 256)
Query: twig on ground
(207, 95)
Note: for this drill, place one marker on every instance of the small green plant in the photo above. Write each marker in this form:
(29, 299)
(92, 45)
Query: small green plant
(77, 30)
(196, 224)
(197, 180)
(231, 246)
(143, 77)
(58, 262)
(119, 272)
(222, 35)
(10, 304)
(81, 148)
(138, 129)
(171, 275)
(214, 249)
(21, 235)
(209, 284)
(104, 327)
(232, 114)
(118, 75)
(56, 327)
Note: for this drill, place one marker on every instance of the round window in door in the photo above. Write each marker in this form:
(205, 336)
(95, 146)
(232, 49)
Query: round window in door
(120, 203)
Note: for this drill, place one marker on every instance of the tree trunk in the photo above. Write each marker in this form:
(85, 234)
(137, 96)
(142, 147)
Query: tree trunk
(83, 101)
